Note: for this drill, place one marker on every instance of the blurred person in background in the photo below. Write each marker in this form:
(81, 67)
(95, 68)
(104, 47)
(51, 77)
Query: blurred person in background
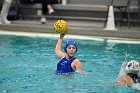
(4, 12)
(46, 8)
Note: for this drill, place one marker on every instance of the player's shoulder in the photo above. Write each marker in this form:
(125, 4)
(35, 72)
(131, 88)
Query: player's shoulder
(76, 60)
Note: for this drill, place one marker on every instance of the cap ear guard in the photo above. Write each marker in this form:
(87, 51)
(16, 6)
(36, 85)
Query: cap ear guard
(68, 43)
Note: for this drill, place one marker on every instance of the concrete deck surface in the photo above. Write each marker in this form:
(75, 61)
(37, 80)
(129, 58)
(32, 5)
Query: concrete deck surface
(76, 27)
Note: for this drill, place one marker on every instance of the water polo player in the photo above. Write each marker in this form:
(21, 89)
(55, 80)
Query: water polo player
(68, 63)
(130, 75)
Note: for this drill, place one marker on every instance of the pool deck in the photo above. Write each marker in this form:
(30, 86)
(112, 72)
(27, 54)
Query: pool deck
(76, 27)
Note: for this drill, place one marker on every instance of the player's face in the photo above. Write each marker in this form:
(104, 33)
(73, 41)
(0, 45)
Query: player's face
(71, 50)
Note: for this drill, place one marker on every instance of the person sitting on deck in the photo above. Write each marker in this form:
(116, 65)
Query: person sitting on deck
(4, 12)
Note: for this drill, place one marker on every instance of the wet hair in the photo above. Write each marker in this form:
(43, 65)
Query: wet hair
(68, 43)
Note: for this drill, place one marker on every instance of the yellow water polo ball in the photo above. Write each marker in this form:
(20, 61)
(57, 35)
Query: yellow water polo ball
(61, 26)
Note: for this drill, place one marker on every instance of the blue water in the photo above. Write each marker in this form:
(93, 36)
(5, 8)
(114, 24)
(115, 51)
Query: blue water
(27, 65)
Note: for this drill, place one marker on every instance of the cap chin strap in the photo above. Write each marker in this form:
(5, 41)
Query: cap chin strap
(70, 57)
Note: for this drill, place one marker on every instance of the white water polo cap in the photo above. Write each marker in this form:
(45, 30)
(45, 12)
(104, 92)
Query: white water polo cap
(132, 66)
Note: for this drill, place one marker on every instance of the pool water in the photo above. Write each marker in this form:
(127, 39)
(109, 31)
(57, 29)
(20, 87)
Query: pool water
(27, 65)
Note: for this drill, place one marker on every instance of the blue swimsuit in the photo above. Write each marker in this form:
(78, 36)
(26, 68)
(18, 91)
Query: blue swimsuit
(64, 66)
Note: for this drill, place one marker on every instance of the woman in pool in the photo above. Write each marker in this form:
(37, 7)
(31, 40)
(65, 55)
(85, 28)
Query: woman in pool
(68, 63)
(130, 75)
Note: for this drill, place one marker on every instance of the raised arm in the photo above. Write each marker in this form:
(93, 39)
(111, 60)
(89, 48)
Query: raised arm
(58, 47)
